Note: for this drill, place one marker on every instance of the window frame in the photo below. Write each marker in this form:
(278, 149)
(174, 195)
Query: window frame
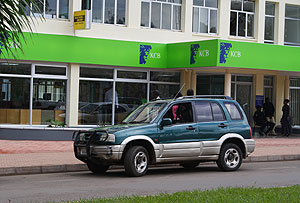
(43, 13)
(173, 4)
(247, 13)
(237, 107)
(273, 17)
(293, 19)
(208, 17)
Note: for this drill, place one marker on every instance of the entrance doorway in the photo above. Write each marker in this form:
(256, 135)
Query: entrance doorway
(241, 91)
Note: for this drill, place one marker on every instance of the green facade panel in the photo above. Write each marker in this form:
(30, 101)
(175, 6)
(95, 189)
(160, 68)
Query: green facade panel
(209, 53)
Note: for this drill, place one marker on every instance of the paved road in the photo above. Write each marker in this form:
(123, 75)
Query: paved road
(78, 185)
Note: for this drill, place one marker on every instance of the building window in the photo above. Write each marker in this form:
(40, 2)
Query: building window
(52, 9)
(268, 88)
(269, 22)
(106, 11)
(292, 25)
(295, 100)
(19, 104)
(205, 16)
(161, 14)
(242, 18)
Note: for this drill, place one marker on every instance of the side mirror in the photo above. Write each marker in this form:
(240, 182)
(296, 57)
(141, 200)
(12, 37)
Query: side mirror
(165, 122)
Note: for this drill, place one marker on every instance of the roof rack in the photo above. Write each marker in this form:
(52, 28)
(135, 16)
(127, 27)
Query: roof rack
(207, 96)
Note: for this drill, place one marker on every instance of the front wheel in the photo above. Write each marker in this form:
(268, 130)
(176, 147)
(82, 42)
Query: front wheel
(136, 161)
(97, 168)
(230, 157)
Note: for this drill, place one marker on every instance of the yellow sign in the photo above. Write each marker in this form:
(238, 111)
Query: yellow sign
(81, 20)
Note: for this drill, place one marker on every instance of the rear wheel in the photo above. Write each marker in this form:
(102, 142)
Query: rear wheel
(230, 158)
(136, 161)
(97, 168)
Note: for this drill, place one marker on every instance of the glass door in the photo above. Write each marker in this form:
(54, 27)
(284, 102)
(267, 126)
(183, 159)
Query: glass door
(244, 97)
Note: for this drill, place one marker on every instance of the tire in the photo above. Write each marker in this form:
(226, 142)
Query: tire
(136, 161)
(189, 165)
(97, 168)
(230, 157)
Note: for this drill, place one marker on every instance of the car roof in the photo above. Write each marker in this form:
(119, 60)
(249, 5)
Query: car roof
(195, 98)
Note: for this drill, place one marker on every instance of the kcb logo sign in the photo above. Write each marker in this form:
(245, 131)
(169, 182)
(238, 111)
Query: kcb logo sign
(145, 54)
(226, 52)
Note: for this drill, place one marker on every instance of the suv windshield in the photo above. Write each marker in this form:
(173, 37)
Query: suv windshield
(146, 113)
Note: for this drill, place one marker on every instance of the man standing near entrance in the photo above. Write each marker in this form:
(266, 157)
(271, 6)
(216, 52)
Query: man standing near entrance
(269, 113)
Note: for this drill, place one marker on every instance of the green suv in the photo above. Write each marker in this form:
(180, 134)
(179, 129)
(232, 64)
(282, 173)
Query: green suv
(186, 130)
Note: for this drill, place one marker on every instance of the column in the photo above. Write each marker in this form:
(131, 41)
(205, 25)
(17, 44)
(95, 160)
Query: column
(259, 29)
(134, 13)
(259, 84)
(287, 87)
(279, 97)
(185, 80)
(194, 81)
(224, 18)
(279, 23)
(227, 83)
(187, 17)
(73, 95)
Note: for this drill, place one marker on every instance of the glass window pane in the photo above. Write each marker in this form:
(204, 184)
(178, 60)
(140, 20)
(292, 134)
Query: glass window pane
(39, 12)
(198, 2)
(166, 16)
(177, 17)
(213, 21)
(49, 100)
(64, 9)
(269, 28)
(97, 12)
(292, 11)
(242, 25)
(196, 27)
(249, 6)
(244, 78)
(95, 102)
(86, 5)
(96, 72)
(145, 14)
(155, 15)
(175, 1)
(233, 111)
(236, 5)
(291, 34)
(211, 3)
(203, 112)
(165, 91)
(14, 100)
(50, 8)
(130, 96)
(233, 23)
(268, 81)
(132, 75)
(203, 20)
(218, 113)
(109, 17)
(15, 68)
(121, 12)
(165, 76)
(50, 70)
(270, 8)
(250, 25)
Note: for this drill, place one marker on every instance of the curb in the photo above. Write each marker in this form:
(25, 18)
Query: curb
(82, 167)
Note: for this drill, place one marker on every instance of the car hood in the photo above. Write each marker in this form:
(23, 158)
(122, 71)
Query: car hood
(117, 128)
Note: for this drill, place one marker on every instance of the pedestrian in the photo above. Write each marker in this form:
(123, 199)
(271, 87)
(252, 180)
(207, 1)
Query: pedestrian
(286, 127)
(155, 95)
(190, 92)
(260, 120)
(269, 111)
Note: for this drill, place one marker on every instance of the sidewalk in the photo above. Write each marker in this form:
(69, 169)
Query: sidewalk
(30, 157)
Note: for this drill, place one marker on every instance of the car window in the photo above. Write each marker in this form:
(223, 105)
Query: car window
(233, 111)
(180, 113)
(218, 113)
(203, 111)
(120, 109)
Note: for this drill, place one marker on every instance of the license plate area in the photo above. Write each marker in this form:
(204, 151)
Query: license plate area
(81, 151)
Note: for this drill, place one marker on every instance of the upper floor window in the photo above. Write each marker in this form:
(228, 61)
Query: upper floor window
(161, 14)
(269, 22)
(52, 9)
(242, 18)
(292, 25)
(205, 16)
(106, 11)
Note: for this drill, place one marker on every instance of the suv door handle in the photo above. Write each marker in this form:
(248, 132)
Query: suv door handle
(190, 128)
(222, 125)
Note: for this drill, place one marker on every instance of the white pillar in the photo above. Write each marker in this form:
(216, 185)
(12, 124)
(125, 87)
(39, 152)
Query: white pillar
(279, 23)
(134, 13)
(224, 18)
(187, 17)
(73, 95)
(260, 21)
(287, 87)
(227, 83)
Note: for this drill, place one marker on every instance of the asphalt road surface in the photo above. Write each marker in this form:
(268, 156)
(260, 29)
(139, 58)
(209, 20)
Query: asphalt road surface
(81, 185)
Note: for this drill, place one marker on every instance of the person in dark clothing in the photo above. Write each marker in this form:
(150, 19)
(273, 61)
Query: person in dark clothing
(190, 92)
(286, 127)
(269, 110)
(260, 120)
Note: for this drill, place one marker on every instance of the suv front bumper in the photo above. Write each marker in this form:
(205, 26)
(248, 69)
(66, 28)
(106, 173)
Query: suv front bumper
(110, 153)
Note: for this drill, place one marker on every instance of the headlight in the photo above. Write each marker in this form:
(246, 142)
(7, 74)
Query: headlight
(82, 137)
(107, 138)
